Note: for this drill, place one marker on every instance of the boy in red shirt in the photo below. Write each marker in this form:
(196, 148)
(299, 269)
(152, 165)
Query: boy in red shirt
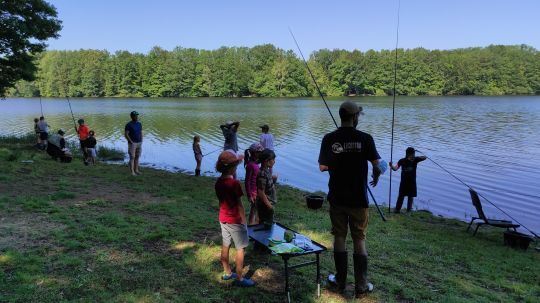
(232, 216)
(83, 132)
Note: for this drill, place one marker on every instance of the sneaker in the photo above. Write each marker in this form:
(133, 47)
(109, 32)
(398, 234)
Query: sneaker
(360, 294)
(332, 281)
(244, 282)
(230, 276)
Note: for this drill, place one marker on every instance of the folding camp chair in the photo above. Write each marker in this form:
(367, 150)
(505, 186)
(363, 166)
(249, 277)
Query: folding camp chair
(482, 217)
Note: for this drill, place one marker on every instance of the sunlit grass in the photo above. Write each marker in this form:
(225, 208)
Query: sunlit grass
(155, 238)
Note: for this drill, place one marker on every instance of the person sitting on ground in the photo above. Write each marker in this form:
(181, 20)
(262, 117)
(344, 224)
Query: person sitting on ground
(251, 163)
(56, 147)
(230, 130)
(266, 191)
(90, 146)
(266, 139)
(83, 131)
(198, 154)
(232, 217)
(407, 187)
(43, 132)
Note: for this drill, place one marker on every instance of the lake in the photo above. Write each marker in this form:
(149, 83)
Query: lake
(491, 143)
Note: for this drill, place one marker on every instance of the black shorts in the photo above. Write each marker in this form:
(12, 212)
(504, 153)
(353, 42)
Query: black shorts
(43, 135)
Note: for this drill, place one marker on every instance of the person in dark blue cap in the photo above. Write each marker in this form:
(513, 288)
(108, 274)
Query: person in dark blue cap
(134, 136)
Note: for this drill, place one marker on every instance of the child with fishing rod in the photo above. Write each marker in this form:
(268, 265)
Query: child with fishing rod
(83, 130)
(36, 131)
(197, 151)
(43, 128)
(251, 164)
(232, 217)
(266, 190)
(407, 186)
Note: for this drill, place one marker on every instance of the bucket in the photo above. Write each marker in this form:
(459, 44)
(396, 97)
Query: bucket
(516, 239)
(314, 201)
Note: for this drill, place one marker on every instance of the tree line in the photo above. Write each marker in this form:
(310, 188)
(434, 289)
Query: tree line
(268, 71)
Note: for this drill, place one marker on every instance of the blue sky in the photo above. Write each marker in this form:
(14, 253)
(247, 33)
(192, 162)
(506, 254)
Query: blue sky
(137, 25)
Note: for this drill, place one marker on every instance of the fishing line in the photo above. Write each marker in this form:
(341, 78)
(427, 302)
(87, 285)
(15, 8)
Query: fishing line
(221, 148)
(393, 108)
(330, 112)
(469, 187)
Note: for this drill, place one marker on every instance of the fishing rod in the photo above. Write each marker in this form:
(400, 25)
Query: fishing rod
(72, 116)
(330, 112)
(393, 109)
(469, 187)
(221, 148)
(41, 105)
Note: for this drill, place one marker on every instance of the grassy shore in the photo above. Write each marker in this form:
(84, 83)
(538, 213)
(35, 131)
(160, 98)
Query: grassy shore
(95, 234)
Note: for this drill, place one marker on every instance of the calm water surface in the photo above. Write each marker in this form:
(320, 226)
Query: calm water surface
(491, 143)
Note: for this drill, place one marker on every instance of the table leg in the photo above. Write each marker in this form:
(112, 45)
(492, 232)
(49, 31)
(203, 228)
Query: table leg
(287, 290)
(318, 277)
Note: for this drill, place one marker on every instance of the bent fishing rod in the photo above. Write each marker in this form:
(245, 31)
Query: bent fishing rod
(330, 112)
(72, 116)
(470, 188)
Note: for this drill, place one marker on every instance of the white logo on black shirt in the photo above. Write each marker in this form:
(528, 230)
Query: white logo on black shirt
(337, 148)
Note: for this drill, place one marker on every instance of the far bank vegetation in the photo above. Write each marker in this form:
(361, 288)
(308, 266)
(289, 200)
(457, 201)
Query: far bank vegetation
(267, 71)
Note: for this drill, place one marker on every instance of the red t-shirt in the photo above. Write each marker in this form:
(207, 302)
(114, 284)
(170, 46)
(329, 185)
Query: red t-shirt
(83, 132)
(229, 191)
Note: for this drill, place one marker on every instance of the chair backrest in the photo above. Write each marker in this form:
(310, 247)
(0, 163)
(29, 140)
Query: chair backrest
(477, 204)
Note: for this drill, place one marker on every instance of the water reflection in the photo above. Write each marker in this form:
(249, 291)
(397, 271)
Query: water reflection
(489, 142)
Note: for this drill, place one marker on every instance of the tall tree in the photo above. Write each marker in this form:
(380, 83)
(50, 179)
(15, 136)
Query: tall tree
(24, 26)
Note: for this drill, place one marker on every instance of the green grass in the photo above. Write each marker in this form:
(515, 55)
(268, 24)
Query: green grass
(97, 234)
(110, 154)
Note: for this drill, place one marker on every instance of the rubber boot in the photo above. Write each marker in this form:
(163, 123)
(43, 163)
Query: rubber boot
(361, 285)
(197, 172)
(409, 204)
(339, 280)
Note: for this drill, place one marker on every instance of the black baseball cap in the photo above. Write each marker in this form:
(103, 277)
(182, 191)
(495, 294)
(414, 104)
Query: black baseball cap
(134, 113)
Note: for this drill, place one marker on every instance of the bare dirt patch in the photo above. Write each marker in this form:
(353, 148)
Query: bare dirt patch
(23, 231)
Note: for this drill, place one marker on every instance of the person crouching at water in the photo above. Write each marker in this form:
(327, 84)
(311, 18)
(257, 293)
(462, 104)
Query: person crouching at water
(266, 190)
(407, 187)
(232, 217)
(198, 154)
(345, 154)
(90, 146)
(56, 147)
(134, 136)
(251, 164)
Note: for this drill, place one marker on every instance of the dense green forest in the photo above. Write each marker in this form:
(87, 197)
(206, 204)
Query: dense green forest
(267, 71)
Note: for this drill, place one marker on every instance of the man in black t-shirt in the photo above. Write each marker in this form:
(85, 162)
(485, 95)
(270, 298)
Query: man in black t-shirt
(345, 154)
(407, 187)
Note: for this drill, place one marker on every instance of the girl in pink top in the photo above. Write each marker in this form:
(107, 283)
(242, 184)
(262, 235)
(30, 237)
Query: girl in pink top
(252, 169)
